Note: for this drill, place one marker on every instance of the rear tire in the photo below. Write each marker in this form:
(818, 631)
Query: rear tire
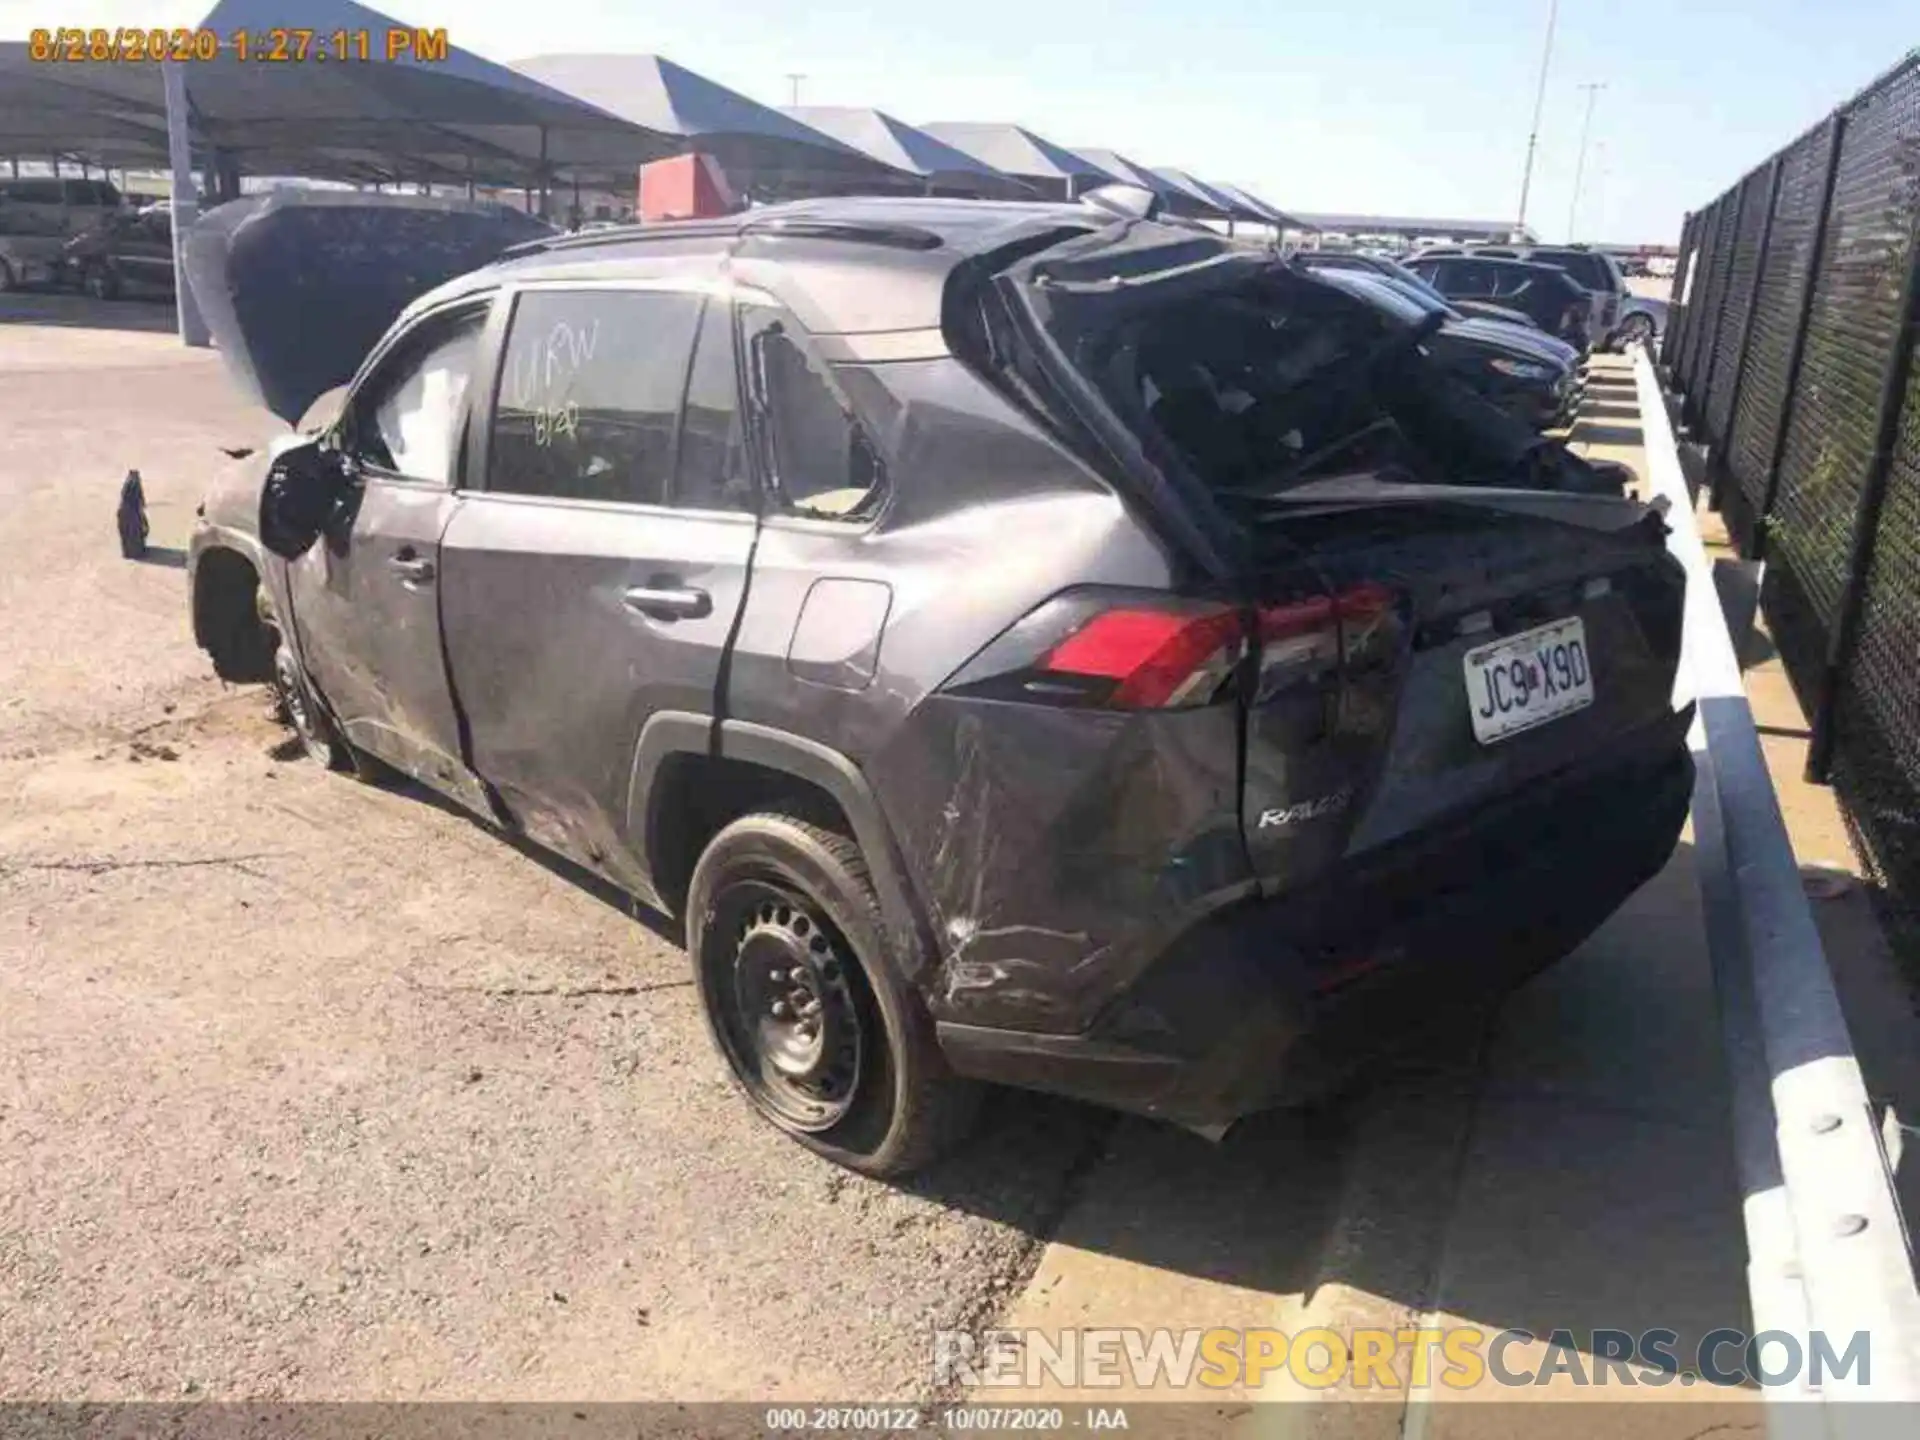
(815, 1022)
(100, 282)
(1635, 329)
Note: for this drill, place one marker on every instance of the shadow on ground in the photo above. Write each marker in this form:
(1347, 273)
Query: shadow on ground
(1593, 433)
(1476, 1169)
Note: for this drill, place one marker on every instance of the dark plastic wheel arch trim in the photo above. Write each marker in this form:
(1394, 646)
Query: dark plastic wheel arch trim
(668, 733)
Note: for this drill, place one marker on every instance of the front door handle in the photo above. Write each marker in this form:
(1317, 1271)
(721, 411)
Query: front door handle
(669, 602)
(411, 568)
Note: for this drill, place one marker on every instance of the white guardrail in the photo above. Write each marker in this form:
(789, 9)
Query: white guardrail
(1827, 1248)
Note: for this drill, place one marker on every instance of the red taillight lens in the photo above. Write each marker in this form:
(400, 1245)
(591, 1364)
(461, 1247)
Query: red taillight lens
(1139, 650)
(1157, 658)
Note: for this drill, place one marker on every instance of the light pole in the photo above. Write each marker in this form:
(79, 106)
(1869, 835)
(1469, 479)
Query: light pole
(1593, 89)
(794, 78)
(1598, 208)
(1539, 103)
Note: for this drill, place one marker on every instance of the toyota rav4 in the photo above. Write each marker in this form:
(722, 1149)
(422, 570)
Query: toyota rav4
(1025, 643)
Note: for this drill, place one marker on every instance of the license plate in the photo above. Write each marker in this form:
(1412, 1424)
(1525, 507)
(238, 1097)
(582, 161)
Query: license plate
(1528, 679)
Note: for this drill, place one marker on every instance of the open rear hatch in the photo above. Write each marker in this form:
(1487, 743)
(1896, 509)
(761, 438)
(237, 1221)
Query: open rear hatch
(1419, 607)
(297, 285)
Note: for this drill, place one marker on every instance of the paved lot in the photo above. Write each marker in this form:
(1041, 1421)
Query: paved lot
(311, 1089)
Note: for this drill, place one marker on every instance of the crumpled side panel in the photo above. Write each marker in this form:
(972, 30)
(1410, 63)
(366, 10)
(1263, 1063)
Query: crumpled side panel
(1056, 851)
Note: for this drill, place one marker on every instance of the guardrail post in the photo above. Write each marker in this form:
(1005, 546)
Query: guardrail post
(1866, 518)
(1798, 350)
(1717, 456)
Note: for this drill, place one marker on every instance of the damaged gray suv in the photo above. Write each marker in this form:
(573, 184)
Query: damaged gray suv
(1028, 644)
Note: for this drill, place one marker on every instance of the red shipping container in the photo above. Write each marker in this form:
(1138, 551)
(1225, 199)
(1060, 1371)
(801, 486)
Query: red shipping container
(684, 187)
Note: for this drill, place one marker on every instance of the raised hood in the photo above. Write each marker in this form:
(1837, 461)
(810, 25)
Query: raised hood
(298, 285)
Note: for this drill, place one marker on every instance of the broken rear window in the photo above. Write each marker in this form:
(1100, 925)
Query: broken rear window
(1247, 381)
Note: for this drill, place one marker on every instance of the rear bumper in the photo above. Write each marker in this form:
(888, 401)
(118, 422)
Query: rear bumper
(1276, 1001)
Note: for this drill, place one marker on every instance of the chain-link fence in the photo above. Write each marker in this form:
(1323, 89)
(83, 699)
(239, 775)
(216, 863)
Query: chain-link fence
(1792, 345)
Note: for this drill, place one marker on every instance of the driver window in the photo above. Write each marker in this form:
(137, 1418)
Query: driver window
(407, 420)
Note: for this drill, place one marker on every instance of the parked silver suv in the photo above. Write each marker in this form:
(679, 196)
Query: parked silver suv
(1594, 270)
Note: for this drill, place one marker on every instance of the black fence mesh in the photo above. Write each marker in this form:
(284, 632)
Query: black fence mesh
(1743, 263)
(1850, 335)
(1671, 342)
(1797, 343)
(1784, 273)
(1706, 296)
(1877, 714)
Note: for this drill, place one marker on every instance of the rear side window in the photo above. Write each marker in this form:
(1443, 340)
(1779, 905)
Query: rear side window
(1468, 277)
(590, 394)
(823, 463)
(1586, 267)
(34, 192)
(91, 192)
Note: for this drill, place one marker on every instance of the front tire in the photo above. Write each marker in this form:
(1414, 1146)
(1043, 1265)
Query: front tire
(816, 1024)
(294, 698)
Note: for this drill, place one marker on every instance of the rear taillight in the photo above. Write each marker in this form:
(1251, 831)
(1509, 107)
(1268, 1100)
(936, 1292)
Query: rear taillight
(1155, 659)
(1305, 638)
(1124, 650)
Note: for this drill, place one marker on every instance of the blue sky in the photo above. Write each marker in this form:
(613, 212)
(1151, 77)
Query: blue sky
(1409, 106)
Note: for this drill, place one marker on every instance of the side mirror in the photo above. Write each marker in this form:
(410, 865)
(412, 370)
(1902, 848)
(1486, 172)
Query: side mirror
(303, 491)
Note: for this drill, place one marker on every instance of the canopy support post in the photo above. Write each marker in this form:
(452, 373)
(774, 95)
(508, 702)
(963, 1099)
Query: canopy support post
(469, 175)
(543, 172)
(186, 204)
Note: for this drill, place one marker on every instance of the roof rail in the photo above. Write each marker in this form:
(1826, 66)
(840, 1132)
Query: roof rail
(624, 234)
(901, 237)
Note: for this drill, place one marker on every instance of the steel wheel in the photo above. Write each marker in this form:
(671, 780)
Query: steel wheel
(293, 698)
(792, 1023)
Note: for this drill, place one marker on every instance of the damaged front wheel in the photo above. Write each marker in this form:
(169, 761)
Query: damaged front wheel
(293, 698)
(819, 1029)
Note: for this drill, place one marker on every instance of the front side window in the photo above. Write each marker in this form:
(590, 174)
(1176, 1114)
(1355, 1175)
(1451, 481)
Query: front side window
(824, 465)
(407, 420)
(590, 392)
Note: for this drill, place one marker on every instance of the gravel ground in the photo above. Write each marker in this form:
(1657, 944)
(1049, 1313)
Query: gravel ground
(312, 1089)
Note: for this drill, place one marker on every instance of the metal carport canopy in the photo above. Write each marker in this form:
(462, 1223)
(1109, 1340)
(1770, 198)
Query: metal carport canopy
(405, 118)
(894, 142)
(1258, 208)
(1057, 172)
(763, 152)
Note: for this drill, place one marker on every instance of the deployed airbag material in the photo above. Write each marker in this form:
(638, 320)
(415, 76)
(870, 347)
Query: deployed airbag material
(298, 285)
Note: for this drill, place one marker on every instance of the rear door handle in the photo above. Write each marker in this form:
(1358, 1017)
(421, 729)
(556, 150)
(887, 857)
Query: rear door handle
(411, 568)
(669, 602)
